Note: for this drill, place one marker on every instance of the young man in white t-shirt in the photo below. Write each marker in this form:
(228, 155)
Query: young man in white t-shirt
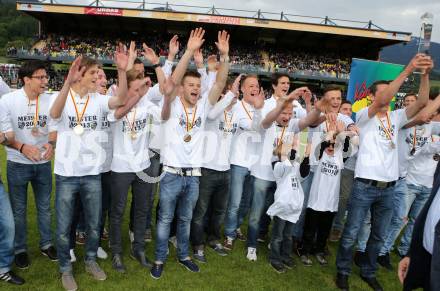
(376, 173)
(242, 156)
(78, 111)
(185, 117)
(26, 114)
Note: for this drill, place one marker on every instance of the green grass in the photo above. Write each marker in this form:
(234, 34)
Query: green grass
(232, 272)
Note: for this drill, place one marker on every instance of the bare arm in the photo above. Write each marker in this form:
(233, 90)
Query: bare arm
(222, 74)
(425, 114)
(422, 99)
(121, 59)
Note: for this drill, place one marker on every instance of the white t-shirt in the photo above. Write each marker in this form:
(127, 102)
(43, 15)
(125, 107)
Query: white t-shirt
(272, 137)
(421, 166)
(18, 114)
(216, 151)
(175, 151)
(324, 192)
(82, 155)
(289, 196)
(155, 126)
(4, 88)
(245, 141)
(130, 155)
(377, 160)
(317, 134)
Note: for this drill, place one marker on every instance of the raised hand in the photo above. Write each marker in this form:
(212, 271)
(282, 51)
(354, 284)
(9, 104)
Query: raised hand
(259, 100)
(298, 92)
(168, 87)
(198, 58)
(173, 48)
(150, 55)
(121, 57)
(236, 85)
(322, 105)
(223, 43)
(340, 126)
(195, 40)
(307, 96)
(75, 71)
(132, 55)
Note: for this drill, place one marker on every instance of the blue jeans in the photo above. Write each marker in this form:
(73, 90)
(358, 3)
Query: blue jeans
(417, 196)
(7, 232)
(182, 191)
(238, 177)
(364, 233)
(89, 189)
(380, 202)
(399, 213)
(245, 203)
(40, 176)
(298, 228)
(262, 189)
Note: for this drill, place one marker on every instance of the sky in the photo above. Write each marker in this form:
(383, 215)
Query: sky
(394, 15)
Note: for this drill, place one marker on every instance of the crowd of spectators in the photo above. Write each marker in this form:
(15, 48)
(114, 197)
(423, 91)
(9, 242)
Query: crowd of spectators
(257, 55)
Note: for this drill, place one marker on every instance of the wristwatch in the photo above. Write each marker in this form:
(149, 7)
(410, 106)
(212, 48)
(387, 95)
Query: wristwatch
(224, 59)
(156, 66)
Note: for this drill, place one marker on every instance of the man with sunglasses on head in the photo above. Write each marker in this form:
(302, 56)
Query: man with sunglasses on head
(26, 116)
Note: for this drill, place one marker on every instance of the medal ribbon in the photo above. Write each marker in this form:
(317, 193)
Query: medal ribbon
(131, 124)
(188, 127)
(387, 129)
(37, 109)
(245, 109)
(280, 141)
(228, 122)
(79, 117)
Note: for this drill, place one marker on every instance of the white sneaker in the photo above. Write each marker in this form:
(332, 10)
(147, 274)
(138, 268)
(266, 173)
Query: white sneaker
(101, 254)
(72, 256)
(251, 254)
(131, 236)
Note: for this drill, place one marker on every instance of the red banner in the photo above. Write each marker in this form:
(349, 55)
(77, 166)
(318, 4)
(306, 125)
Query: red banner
(103, 11)
(219, 19)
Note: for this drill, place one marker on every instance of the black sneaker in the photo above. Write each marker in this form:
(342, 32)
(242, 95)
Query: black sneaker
(190, 265)
(199, 255)
(51, 253)
(321, 258)
(22, 260)
(118, 264)
(219, 249)
(278, 267)
(385, 262)
(373, 283)
(306, 260)
(141, 258)
(11, 278)
(342, 282)
(156, 271)
(262, 238)
(289, 264)
(359, 258)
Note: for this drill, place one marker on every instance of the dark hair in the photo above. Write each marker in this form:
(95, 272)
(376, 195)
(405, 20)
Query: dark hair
(345, 101)
(29, 68)
(137, 61)
(133, 75)
(410, 94)
(277, 76)
(373, 87)
(193, 74)
(331, 87)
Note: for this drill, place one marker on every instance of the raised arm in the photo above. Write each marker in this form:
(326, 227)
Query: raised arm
(121, 60)
(74, 75)
(313, 117)
(426, 114)
(132, 55)
(153, 59)
(222, 74)
(384, 98)
(423, 96)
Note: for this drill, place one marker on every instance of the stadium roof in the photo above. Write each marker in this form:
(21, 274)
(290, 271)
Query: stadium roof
(118, 14)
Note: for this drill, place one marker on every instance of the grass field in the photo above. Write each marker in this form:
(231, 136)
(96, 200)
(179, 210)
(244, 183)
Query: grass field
(232, 272)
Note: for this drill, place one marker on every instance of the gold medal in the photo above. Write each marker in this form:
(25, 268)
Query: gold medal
(187, 138)
(133, 135)
(78, 130)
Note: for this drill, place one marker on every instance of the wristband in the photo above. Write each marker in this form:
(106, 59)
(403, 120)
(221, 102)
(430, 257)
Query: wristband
(21, 148)
(52, 143)
(224, 59)
(155, 66)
